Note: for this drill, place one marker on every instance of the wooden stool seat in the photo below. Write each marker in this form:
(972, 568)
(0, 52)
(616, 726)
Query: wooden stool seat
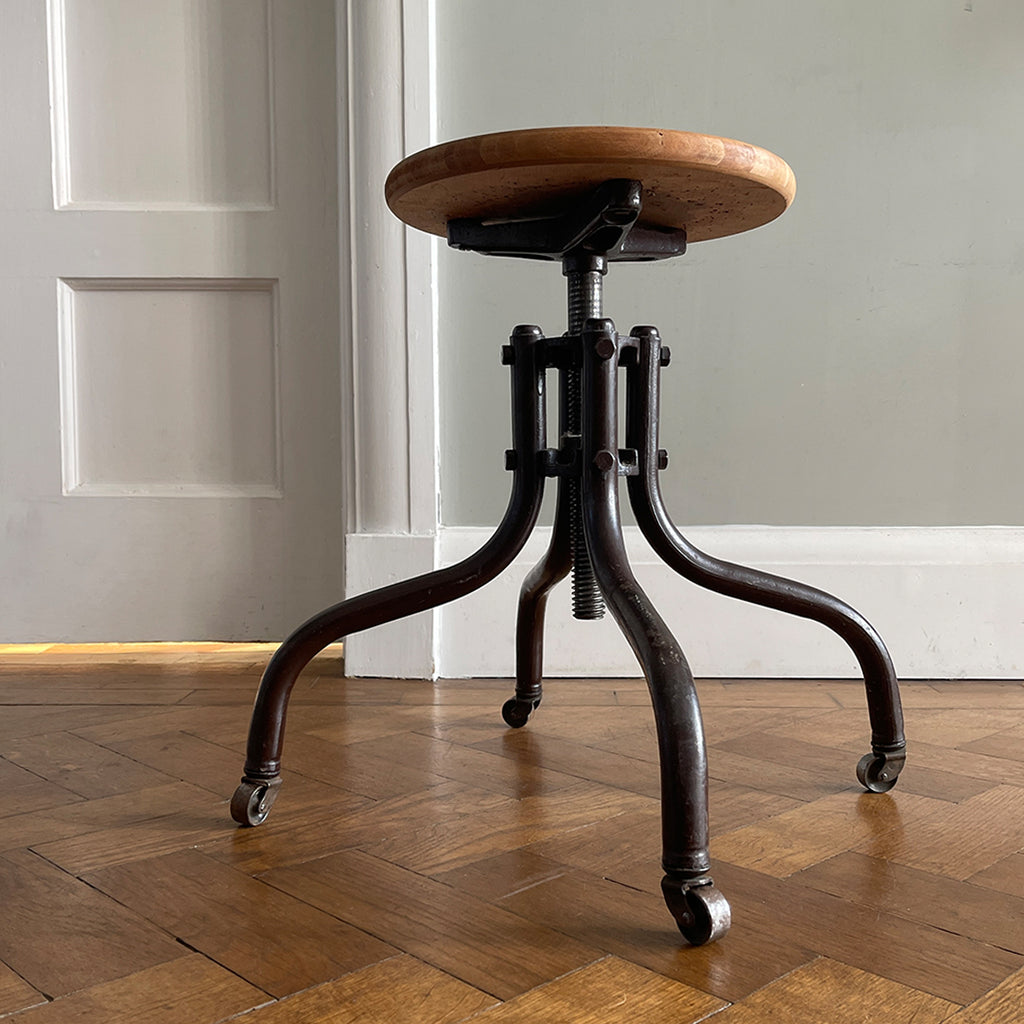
(706, 185)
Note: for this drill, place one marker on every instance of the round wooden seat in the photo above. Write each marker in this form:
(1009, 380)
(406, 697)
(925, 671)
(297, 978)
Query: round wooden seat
(709, 186)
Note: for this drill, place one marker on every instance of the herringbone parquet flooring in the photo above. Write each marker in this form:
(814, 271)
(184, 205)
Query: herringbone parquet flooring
(426, 864)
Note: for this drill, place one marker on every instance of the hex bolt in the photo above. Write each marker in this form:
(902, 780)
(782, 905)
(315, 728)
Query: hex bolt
(604, 460)
(666, 355)
(508, 355)
(604, 348)
(511, 458)
(662, 459)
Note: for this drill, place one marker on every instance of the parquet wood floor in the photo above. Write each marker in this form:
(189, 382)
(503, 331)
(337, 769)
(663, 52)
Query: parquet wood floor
(425, 864)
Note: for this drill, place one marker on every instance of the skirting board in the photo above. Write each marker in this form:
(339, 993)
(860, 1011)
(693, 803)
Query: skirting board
(949, 603)
(404, 649)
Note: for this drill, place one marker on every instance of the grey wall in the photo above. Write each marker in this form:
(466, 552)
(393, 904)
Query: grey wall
(858, 361)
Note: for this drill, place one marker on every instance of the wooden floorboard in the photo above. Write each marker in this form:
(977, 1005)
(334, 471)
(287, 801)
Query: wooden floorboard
(426, 864)
(60, 934)
(191, 988)
(402, 990)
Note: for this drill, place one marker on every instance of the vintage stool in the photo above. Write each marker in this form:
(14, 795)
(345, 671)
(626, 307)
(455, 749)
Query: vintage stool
(586, 197)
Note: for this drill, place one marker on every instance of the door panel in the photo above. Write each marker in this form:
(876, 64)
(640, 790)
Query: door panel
(162, 105)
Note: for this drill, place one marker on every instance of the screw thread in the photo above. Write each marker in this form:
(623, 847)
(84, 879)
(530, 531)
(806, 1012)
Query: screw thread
(584, 294)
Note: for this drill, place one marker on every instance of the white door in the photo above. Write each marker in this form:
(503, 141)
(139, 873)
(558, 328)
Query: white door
(170, 455)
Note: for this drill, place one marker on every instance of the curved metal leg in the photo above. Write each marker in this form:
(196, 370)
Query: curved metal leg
(260, 783)
(878, 770)
(701, 912)
(533, 598)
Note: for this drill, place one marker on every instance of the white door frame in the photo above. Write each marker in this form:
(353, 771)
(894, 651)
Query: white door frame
(946, 599)
(389, 95)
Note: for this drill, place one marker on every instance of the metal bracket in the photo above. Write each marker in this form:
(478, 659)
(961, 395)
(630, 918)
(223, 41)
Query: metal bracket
(603, 223)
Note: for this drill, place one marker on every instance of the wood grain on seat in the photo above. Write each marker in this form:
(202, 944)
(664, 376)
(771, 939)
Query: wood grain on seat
(707, 185)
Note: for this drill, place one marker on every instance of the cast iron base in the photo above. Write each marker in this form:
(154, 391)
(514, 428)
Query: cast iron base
(589, 462)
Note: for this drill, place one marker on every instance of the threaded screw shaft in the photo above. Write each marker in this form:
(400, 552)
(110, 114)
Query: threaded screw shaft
(585, 301)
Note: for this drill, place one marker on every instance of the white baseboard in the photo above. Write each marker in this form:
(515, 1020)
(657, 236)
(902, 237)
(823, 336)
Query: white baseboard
(949, 603)
(404, 649)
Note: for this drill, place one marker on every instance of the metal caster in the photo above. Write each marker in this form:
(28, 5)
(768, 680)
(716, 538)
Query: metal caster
(517, 712)
(252, 801)
(878, 773)
(701, 911)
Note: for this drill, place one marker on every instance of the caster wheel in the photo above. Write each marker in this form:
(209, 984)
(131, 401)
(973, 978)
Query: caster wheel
(701, 911)
(876, 774)
(517, 712)
(252, 801)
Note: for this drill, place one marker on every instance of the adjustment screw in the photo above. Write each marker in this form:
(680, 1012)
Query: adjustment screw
(508, 355)
(604, 348)
(604, 460)
(511, 458)
(666, 355)
(662, 459)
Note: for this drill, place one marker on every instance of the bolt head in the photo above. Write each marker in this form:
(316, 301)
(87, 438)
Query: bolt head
(666, 355)
(604, 460)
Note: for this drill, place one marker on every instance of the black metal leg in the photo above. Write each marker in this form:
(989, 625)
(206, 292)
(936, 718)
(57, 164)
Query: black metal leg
(533, 599)
(253, 798)
(878, 770)
(701, 912)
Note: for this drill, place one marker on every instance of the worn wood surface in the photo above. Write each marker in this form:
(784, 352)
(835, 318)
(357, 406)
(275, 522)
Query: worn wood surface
(710, 186)
(426, 864)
